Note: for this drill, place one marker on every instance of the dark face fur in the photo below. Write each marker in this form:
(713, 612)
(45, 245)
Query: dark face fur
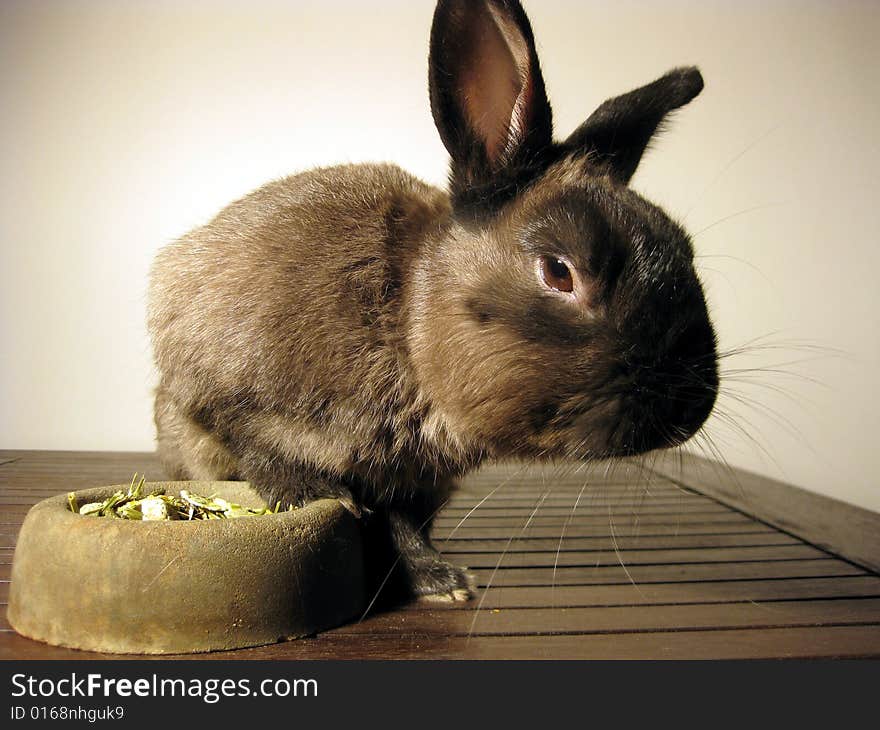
(571, 319)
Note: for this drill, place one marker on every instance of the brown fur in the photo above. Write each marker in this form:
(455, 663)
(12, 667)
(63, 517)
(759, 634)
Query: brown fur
(285, 320)
(355, 333)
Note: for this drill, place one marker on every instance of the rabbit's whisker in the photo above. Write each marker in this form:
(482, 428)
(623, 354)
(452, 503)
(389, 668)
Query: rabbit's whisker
(513, 537)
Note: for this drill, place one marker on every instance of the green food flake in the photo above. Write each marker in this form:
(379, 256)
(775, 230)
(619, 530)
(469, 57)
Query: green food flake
(131, 511)
(109, 505)
(154, 508)
(92, 508)
(135, 490)
(201, 503)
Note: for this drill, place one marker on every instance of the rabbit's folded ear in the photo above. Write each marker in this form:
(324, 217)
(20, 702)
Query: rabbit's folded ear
(487, 92)
(618, 132)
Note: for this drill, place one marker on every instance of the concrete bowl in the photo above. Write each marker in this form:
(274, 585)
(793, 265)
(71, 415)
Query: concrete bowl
(168, 587)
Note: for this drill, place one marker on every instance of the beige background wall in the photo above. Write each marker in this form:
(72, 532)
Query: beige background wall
(123, 124)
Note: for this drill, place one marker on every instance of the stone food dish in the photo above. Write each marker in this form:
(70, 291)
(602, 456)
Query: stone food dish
(175, 586)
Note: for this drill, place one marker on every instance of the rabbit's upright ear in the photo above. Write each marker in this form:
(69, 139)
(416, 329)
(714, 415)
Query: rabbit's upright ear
(618, 132)
(487, 92)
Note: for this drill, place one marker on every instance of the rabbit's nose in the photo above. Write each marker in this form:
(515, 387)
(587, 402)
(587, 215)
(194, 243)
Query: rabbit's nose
(684, 386)
(671, 394)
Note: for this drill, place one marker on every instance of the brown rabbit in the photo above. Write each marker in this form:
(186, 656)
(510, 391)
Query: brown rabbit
(352, 332)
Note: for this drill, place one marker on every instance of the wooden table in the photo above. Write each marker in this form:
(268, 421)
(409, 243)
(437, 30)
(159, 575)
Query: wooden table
(572, 563)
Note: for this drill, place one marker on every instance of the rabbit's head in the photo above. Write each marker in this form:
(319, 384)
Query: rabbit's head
(560, 314)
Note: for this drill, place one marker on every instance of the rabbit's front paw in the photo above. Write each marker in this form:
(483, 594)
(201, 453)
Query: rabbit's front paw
(439, 580)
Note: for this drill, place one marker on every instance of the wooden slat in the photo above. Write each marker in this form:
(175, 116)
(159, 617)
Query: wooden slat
(623, 619)
(627, 510)
(656, 490)
(629, 558)
(801, 642)
(570, 544)
(620, 530)
(11, 513)
(840, 527)
(660, 490)
(61, 461)
(780, 589)
(789, 642)
(642, 574)
(644, 519)
(567, 497)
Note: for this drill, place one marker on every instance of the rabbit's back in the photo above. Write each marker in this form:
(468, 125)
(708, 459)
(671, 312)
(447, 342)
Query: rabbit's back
(277, 326)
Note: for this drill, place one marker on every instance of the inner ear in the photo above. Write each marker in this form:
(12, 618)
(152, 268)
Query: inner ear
(496, 82)
(488, 101)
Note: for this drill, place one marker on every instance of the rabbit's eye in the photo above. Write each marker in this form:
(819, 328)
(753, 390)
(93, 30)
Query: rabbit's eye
(556, 274)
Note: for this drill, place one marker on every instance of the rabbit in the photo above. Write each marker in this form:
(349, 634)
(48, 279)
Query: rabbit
(351, 332)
